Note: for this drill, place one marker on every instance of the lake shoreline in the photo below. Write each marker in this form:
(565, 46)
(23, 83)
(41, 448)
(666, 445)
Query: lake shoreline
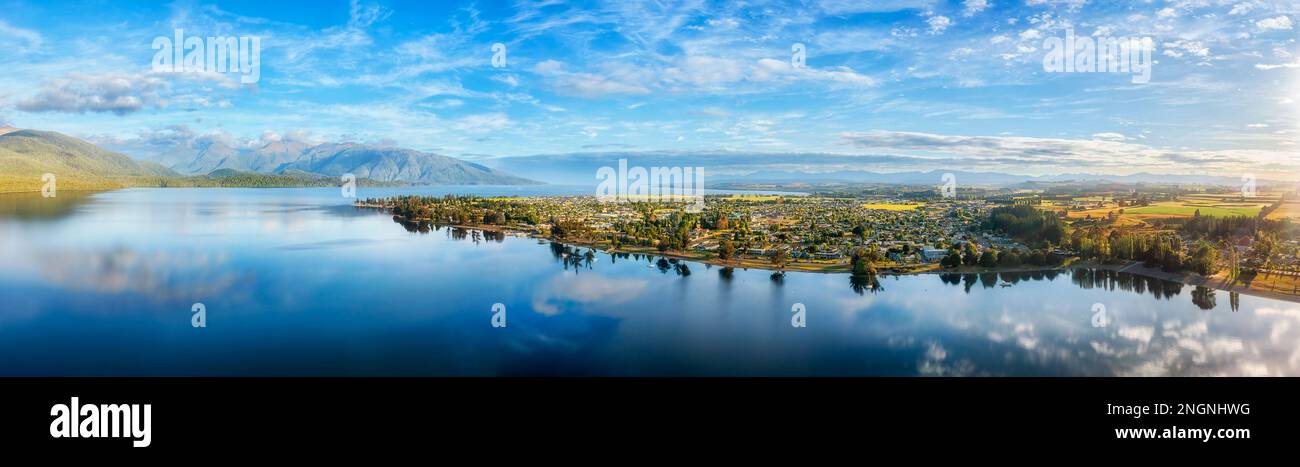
(1216, 282)
(844, 268)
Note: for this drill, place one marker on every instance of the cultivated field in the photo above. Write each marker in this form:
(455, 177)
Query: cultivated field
(1288, 210)
(1190, 208)
(892, 206)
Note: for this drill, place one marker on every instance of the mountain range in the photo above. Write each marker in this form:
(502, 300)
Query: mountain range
(724, 168)
(27, 155)
(202, 156)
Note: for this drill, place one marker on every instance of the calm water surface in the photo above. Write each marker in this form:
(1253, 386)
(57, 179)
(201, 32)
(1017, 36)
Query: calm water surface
(297, 282)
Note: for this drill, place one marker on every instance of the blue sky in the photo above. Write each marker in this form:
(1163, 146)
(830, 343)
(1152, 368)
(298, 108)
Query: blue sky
(956, 85)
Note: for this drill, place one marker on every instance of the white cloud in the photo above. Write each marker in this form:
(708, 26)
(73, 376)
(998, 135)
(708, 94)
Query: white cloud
(1105, 152)
(1274, 24)
(508, 80)
(704, 70)
(362, 16)
(622, 80)
(1274, 66)
(31, 39)
(483, 122)
(1180, 48)
(1109, 136)
(118, 93)
(1141, 334)
(771, 69)
(1069, 4)
(938, 24)
(839, 7)
(973, 7)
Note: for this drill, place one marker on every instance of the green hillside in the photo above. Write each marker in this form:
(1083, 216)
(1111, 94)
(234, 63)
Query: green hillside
(26, 155)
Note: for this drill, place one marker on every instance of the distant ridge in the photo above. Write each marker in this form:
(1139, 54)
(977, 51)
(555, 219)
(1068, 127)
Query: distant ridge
(27, 155)
(384, 164)
(728, 167)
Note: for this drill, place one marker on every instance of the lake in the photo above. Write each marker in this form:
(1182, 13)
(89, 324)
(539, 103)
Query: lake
(298, 282)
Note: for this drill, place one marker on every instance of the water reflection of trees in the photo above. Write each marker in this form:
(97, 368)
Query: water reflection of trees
(989, 280)
(862, 283)
(1083, 278)
(1203, 297)
(454, 233)
(726, 273)
(569, 256)
(1110, 280)
(672, 264)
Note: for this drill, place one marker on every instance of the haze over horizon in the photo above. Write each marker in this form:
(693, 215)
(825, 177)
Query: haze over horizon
(900, 85)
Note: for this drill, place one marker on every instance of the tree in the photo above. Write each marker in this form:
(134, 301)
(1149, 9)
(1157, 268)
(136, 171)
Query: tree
(1205, 261)
(863, 261)
(989, 258)
(970, 254)
(1232, 259)
(952, 260)
(779, 257)
(726, 250)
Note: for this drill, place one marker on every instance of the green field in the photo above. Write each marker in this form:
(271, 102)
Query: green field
(1185, 210)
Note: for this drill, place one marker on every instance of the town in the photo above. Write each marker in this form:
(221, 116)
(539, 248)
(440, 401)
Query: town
(1201, 235)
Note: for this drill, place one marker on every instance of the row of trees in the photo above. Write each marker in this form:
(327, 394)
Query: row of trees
(1162, 250)
(969, 255)
(1214, 228)
(1027, 224)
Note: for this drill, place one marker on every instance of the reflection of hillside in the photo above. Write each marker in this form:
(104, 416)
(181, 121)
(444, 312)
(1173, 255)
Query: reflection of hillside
(32, 206)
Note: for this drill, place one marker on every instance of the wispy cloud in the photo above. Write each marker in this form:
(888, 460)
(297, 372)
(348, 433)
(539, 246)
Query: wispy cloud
(691, 76)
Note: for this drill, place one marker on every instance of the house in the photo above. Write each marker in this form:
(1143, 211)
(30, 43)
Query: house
(931, 255)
